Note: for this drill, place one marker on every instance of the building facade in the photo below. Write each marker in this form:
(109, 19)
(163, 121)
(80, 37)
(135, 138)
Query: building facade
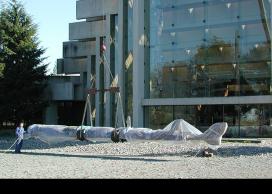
(202, 61)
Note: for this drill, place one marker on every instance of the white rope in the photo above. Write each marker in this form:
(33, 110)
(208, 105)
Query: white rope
(198, 152)
(106, 63)
(116, 113)
(88, 105)
(108, 67)
(119, 97)
(12, 145)
(90, 109)
(122, 110)
(119, 101)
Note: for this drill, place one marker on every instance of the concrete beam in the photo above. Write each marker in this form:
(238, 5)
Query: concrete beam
(51, 114)
(79, 92)
(138, 65)
(119, 66)
(74, 66)
(94, 8)
(75, 49)
(61, 88)
(107, 73)
(62, 91)
(60, 66)
(86, 30)
(97, 102)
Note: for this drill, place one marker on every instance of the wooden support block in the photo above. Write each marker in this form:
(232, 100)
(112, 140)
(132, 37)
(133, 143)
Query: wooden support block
(93, 91)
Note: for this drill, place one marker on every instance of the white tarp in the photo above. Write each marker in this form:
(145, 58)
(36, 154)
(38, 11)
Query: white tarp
(97, 133)
(178, 130)
(52, 134)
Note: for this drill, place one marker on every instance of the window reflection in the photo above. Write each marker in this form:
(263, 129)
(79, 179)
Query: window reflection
(243, 120)
(158, 117)
(217, 48)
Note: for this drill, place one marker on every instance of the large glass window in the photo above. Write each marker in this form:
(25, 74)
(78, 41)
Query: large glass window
(158, 117)
(243, 120)
(209, 48)
(255, 120)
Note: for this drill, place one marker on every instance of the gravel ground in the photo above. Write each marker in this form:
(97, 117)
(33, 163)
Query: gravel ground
(135, 160)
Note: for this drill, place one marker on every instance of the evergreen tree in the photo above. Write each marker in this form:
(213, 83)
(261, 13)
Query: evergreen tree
(2, 65)
(23, 78)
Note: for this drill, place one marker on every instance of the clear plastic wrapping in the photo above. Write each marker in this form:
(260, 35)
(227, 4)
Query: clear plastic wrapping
(178, 130)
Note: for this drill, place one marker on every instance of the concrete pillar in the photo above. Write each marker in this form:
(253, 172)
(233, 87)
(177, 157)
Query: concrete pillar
(88, 86)
(119, 65)
(106, 72)
(51, 114)
(271, 68)
(97, 102)
(139, 39)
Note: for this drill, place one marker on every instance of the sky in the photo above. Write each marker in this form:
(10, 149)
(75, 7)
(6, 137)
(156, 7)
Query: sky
(53, 18)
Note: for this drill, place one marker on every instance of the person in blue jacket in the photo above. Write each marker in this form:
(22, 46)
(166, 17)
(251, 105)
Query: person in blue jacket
(20, 137)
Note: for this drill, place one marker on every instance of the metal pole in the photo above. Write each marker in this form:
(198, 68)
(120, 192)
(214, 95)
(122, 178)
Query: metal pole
(85, 109)
(90, 109)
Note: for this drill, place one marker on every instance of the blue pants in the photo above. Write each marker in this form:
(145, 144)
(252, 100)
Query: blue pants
(18, 146)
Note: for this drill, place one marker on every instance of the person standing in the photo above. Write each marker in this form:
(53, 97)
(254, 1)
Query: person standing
(20, 137)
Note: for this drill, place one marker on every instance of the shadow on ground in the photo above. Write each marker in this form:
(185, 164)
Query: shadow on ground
(37, 144)
(225, 151)
(221, 152)
(121, 158)
(243, 151)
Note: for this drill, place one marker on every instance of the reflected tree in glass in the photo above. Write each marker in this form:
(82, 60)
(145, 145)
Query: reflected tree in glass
(214, 68)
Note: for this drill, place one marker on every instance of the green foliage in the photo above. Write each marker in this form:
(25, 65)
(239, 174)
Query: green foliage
(2, 67)
(23, 79)
(212, 53)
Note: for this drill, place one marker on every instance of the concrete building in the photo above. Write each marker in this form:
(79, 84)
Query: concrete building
(203, 61)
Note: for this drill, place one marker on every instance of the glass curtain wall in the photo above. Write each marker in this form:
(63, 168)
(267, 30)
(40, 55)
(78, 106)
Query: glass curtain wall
(243, 120)
(211, 48)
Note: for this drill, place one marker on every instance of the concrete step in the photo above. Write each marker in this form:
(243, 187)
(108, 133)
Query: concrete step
(241, 140)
